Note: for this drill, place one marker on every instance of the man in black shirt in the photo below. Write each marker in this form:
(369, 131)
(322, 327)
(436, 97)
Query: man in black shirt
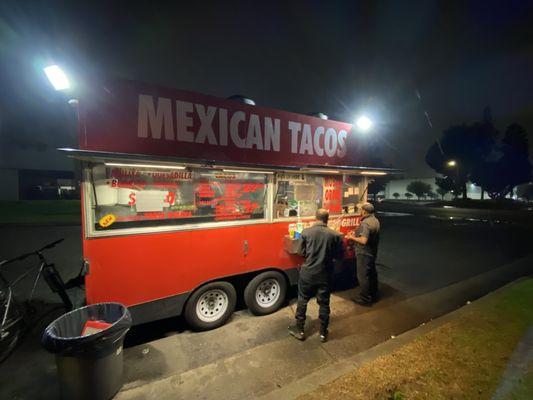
(366, 239)
(320, 246)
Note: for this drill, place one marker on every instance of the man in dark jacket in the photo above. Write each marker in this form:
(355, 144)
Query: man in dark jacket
(320, 246)
(366, 239)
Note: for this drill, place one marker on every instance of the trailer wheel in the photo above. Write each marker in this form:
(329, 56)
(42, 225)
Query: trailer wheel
(265, 293)
(210, 306)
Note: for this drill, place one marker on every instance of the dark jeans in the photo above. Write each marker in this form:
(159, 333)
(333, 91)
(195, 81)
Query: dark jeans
(367, 275)
(306, 290)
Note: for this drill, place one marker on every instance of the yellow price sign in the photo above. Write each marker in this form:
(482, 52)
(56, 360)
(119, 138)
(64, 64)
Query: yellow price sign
(107, 220)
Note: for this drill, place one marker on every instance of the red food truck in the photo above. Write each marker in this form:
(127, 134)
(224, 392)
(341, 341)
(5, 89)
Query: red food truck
(190, 201)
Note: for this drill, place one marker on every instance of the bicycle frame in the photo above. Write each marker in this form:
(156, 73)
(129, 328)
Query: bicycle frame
(38, 276)
(52, 278)
(4, 325)
(11, 309)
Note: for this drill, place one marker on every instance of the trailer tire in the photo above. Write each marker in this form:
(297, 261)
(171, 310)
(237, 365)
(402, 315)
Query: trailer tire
(265, 293)
(210, 306)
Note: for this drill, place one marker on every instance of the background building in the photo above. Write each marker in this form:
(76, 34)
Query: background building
(31, 167)
(400, 186)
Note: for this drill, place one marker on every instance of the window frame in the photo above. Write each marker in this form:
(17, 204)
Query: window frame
(275, 218)
(269, 216)
(90, 220)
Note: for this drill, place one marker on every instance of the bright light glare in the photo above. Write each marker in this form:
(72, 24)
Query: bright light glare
(243, 171)
(451, 163)
(57, 77)
(373, 173)
(115, 164)
(363, 123)
(322, 171)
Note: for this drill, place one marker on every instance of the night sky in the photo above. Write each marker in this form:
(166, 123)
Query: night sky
(340, 58)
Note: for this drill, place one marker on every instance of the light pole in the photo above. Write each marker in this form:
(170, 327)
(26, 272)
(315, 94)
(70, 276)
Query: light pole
(61, 83)
(453, 164)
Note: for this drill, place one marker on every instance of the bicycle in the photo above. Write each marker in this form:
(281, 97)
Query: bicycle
(15, 314)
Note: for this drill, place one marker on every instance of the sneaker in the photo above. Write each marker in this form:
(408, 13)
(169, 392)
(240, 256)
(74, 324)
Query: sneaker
(362, 302)
(324, 336)
(297, 332)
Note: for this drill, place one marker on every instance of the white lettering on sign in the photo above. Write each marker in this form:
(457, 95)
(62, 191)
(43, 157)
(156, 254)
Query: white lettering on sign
(198, 123)
(155, 119)
(319, 150)
(341, 150)
(184, 121)
(223, 126)
(347, 222)
(306, 145)
(294, 128)
(330, 142)
(206, 124)
(236, 119)
(253, 137)
(272, 134)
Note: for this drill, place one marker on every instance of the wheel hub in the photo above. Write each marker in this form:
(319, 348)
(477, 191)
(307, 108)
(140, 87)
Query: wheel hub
(212, 305)
(267, 293)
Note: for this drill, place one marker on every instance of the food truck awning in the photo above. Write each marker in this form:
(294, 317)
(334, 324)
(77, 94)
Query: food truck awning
(138, 159)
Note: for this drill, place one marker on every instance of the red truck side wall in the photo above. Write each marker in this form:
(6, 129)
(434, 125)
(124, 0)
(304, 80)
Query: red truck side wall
(135, 269)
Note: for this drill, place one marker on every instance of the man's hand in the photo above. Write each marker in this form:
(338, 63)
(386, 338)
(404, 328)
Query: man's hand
(350, 236)
(358, 239)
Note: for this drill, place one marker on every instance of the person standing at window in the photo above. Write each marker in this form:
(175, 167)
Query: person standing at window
(366, 239)
(320, 246)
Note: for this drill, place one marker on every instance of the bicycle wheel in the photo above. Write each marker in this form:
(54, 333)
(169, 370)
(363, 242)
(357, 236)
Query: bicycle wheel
(9, 337)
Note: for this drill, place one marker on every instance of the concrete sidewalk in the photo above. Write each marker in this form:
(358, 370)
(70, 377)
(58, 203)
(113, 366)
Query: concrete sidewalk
(257, 359)
(324, 375)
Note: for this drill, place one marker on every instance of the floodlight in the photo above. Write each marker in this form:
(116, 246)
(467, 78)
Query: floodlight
(57, 77)
(363, 123)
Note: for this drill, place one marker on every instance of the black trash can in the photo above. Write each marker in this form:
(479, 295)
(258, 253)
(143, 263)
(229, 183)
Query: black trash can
(87, 343)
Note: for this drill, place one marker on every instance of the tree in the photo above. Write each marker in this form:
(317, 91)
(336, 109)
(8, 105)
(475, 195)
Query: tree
(448, 184)
(432, 195)
(419, 188)
(396, 195)
(442, 192)
(408, 195)
(500, 175)
(377, 184)
(525, 192)
(467, 145)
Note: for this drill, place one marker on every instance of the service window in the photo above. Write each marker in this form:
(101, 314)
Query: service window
(129, 197)
(353, 194)
(300, 195)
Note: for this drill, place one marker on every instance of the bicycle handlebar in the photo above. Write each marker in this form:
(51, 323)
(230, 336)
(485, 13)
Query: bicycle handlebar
(26, 255)
(50, 245)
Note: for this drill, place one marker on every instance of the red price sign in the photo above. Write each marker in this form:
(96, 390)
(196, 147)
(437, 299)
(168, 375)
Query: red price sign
(332, 198)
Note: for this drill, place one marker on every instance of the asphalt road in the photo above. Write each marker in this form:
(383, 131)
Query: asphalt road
(522, 217)
(421, 249)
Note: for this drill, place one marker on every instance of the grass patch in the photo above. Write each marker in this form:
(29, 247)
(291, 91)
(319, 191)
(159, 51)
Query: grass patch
(40, 212)
(463, 359)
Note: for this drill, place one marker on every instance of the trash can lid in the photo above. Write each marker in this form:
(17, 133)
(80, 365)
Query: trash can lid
(70, 325)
